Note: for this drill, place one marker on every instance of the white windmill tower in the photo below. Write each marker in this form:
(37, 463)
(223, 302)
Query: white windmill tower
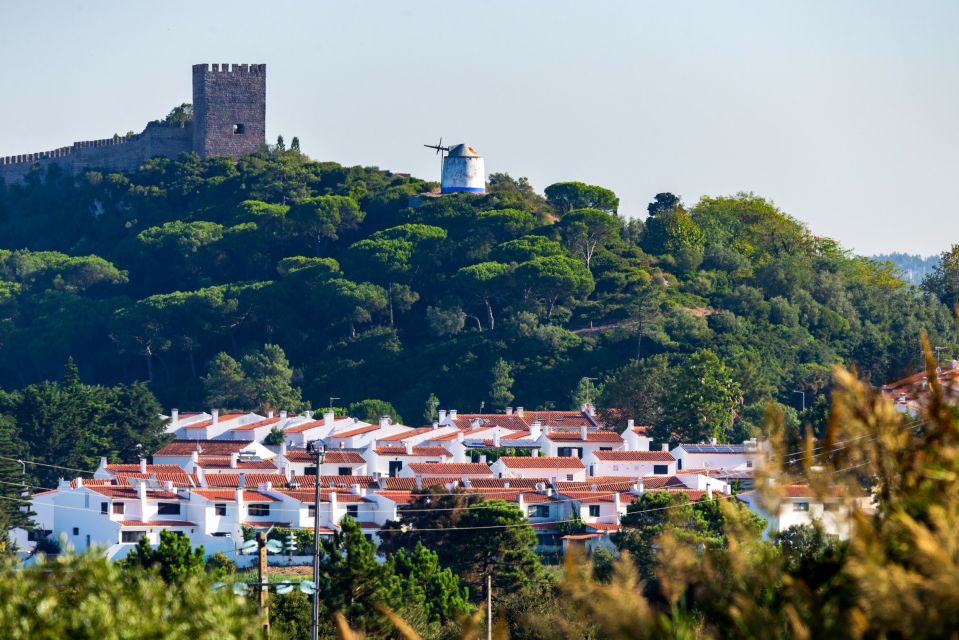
(462, 168)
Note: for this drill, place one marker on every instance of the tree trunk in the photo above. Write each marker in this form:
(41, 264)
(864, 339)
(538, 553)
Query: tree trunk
(489, 312)
(149, 357)
(389, 296)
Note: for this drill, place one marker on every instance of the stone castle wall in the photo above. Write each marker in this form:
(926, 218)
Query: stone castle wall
(222, 99)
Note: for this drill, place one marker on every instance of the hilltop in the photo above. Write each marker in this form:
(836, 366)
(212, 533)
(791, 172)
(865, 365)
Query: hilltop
(495, 299)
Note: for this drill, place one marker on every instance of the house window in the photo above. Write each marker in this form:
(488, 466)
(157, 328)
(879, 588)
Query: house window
(395, 467)
(239, 129)
(168, 509)
(130, 536)
(119, 508)
(605, 448)
(660, 469)
(259, 510)
(569, 477)
(353, 510)
(104, 507)
(76, 531)
(801, 506)
(311, 511)
(594, 511)
(564, 452)
(540, 511)
(749, 464)
(309, 471)
(344, 471)
(679, 464)
(219, 509)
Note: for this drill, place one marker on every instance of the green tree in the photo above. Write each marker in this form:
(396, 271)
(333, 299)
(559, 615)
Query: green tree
(555, 279)
(526, 248)
(674, 233)
(699, 403)
(432, 404)
(417, 579)
(500, 383)
(280, 144)
(636, 391)
(323, 218)
(174, 559)
(566, 196)
(295, 144)
(587, 230)
(943, 280)
(226, 384)
(271, 379)
(486, 281)
(87, 596)
(371, 410)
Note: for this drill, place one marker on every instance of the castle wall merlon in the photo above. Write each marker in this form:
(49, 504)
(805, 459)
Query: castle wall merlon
(240, 69)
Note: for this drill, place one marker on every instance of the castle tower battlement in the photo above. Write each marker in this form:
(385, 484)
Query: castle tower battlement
(229, 109)
(229, 120)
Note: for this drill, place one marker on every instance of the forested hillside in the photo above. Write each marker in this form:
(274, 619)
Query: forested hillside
(244, 282)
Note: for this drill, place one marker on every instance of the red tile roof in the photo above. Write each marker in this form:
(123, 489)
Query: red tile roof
(403, 435)
(510, 495)
(355, 432)
(635, 456)
(366, 482)
(181, 479)
(561, 418)
(450, 468)
(306, 496)
(514, 483)
(591, 436)
(151, 468)
(600, 484)
(230, 495)
(399, 497)
(157, 523)
(130, 493)
(512, 422)
(541, 462)
(180, 448)
(221, 462)
(337, 457)
(421, 451)
(306, 426)
(399, 483)
(257, 424)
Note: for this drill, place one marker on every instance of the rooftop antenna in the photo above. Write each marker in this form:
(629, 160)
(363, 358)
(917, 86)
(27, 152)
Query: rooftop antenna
(440, 151)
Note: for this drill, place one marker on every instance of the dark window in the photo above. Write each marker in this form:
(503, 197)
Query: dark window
(353, 510)
(119, 508)
(395, 467)
(311, 511)
(540, 511)
(168, 509)
(605, 448)
(220, 509)
(104, 507)
(344, 471)
(679, 464)
(239, 129)
(564, 452)
(309, 471)
(76, 531)
(259, 510)
(660, 469)
(130, 536)
(801, 506)
(368, 536)
(594, 511)
(569, 477)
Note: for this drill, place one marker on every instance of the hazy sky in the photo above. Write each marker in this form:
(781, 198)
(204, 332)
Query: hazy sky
(842, 113)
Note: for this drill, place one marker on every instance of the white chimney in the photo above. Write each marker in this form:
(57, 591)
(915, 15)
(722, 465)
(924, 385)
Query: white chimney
(384, 422)
(630, 423)
(409, 447)
(452, 414)
(582, 433)
(482, 459)
(283, 415)
(142, 491)
(665, 446)
(709, 491)
(234, 459)
(266, 486)
(328, 418)
(269, 414)
(442, 415)
(168, 485)
(535, 430)
(640, 487)
(194, 457)
(509, 411)
(436, 425)
(79, 482)
(496, 440)
(238, 496)
(534, 453)
(201, 476)
(460, 436)
(103, 462)
(712, 440)
(216, 415)
(519, 411)
(174, 416)
(309, 415)
(143, 465)
(282, 451)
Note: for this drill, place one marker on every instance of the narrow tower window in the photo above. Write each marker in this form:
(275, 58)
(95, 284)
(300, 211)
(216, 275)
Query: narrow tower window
(239, 129)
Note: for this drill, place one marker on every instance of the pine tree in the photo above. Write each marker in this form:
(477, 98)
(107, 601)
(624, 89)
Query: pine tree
(499, 391)
(295, 144)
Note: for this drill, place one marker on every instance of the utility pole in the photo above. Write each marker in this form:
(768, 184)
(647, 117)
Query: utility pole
(263, 579)
(489, 606)
(331, 406)
(316, 448)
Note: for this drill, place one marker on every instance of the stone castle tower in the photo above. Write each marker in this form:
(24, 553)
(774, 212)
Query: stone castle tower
(229, 109)
(229, 120)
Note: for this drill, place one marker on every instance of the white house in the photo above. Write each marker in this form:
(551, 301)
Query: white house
(716, 456)
(799, 505)
(552, 468)
(633, 464)
(580, 442)
(391, 460)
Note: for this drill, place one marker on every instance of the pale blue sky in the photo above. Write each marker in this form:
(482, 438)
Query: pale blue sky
(843, 113)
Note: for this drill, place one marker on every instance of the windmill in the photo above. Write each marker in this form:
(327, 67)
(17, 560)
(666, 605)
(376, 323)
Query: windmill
(440, 151)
